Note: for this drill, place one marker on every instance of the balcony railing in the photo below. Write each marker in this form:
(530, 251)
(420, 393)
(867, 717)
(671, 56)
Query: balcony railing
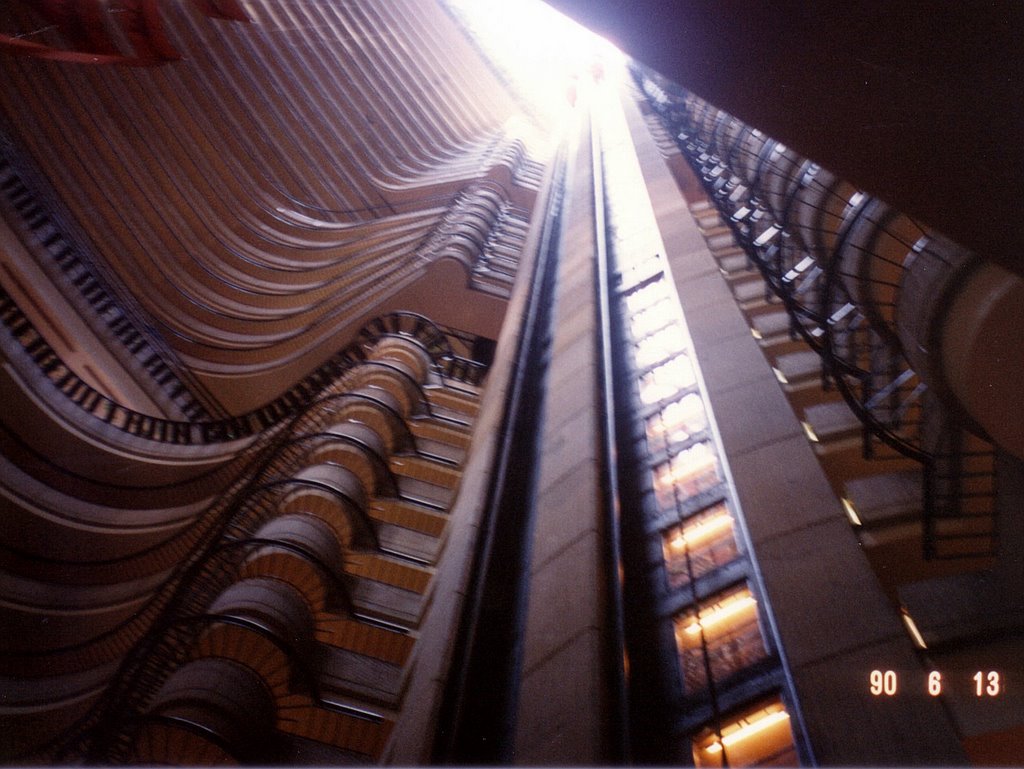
(22, 332)
(836, 258)
(42, 228)
(161, 638)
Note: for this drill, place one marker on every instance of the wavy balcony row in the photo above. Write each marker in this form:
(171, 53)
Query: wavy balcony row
(254, 216)
(347, 508)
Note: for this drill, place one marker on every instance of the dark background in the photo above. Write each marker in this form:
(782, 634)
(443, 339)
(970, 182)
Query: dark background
(917, 103)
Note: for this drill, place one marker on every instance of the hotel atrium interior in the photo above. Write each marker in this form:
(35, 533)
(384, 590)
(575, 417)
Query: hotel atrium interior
(452, 382)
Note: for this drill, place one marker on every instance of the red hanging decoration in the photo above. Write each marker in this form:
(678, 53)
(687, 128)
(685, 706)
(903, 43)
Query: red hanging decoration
(90, 27)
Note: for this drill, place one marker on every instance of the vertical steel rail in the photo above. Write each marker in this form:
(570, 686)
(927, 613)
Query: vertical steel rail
(619, 739)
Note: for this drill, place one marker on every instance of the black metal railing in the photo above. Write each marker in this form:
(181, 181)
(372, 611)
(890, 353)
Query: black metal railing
(45, 230)
(179, 610)
(835, 258)
(75, 389)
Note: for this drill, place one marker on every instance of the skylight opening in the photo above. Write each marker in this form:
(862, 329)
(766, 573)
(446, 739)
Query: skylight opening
(547, 55)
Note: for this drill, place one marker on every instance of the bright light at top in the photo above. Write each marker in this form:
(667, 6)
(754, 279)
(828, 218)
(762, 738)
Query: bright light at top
(545, 52)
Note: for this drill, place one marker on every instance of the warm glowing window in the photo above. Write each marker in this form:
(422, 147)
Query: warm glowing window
(656, 316)
(677, 422)
(686, 474)
(629, 229)
(659, 345)
(722, 634)
(643, 298)
(638, 270)
(760, 736)
(698, 545)
(667, 379)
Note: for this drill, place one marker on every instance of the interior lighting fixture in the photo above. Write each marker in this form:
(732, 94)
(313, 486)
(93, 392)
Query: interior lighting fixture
(676, 374)
(698, 533)
(851, 512)
(911, 626)
(657, 391)
(640, 300)
(692, 464)
(748, 727)
(726, 610)
(687, 413)
(658, 346)
(809, 432)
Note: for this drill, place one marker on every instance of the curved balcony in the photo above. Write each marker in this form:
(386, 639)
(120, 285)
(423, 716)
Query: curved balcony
(330, 544)
(211, 711)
